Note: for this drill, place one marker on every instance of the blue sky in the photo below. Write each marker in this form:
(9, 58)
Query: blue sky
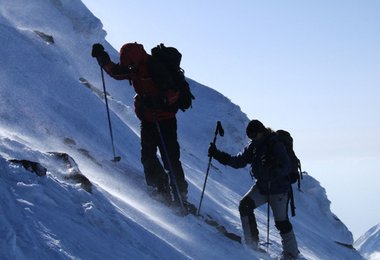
(311, 67)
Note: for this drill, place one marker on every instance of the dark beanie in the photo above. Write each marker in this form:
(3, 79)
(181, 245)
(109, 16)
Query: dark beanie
(255, 126)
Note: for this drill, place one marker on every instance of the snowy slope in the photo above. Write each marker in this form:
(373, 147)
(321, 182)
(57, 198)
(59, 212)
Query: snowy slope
(369, 244)
(46, 109)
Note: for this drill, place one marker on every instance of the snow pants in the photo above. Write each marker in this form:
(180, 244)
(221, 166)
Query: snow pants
(279, 205)
(155, 174)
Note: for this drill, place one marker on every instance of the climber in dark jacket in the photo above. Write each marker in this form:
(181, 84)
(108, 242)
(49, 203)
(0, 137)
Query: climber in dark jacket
(270, 165)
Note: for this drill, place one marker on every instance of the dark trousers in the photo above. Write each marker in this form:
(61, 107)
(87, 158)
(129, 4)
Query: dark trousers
(155, 173)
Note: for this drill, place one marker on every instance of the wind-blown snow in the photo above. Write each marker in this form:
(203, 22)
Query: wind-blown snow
(369, 244)
(52, 103)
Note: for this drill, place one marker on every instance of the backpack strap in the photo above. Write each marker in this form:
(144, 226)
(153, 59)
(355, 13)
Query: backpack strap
(292, 205)
(271, 141)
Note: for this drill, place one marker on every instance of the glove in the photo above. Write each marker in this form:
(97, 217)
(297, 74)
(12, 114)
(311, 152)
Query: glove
(101, 56)
(212, 150)
(97, 50)
(220, 156)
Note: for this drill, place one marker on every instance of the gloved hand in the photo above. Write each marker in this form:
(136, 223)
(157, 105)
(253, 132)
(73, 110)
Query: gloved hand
(220, 156)
(97, 50)
(212, 150)
(101, 56)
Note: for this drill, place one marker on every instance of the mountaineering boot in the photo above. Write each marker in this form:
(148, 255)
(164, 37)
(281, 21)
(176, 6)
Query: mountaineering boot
(161, 193)
(189, 207)
(248, 223)
(289, 245)
(176, 201)
(251, 237)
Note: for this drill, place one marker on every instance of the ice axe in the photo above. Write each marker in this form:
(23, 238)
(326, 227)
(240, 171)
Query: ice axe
(115, 158)
(219, 130)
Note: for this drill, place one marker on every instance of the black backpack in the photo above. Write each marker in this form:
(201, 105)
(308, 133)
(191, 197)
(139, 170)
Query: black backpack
(295, 174)
(170, 57)
(296, 171)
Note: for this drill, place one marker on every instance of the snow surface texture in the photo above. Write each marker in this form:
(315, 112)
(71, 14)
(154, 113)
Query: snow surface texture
(52, 103)
(369, 244)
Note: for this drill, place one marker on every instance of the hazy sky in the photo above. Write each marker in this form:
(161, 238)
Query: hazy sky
(311, 67)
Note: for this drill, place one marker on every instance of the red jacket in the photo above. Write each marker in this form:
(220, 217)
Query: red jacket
(149, 101)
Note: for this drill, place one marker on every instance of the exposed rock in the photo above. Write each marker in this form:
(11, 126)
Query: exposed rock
(34, 167)
(73, 172)
(47, 38)
(80, 178)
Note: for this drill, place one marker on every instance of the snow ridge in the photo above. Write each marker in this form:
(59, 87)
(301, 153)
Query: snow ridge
(369, 244)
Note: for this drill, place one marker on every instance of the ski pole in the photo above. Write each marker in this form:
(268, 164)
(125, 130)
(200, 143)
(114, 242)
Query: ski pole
(219, 130)
(171, 172)
(268, 219)
(115, 158)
